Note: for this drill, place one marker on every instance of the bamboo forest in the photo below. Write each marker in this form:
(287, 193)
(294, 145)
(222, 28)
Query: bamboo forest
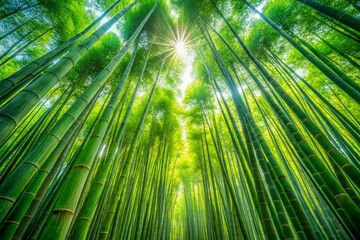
(179, 119)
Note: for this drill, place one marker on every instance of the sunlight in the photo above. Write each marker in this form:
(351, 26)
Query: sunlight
(187, 76)
(180, 43)
(180, 48)
(259, 8)
(179, 119)
(91, 6)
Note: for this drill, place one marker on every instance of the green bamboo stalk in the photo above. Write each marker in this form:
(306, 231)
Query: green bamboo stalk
(321, 66)
(48, 198)
(340, 73)
(65, 206)
(350, 126)
(347, 34)
(275, 168)
(333, 13)
(17, 28)
(39, 196)
(106, 224)
(14, 45)
(35, 66)
(219, 151)
(13, 111)
(40, 181)
(20, 9)
(35, 159)
(339, 195)
(333, 132)
(87, 211)
(21, 48)
(339, 52)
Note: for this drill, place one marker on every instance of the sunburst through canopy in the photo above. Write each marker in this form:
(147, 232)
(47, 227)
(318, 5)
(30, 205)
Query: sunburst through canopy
(180, 48)
(179, 44)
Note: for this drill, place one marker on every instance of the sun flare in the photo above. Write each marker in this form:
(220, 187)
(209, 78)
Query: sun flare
(180, 48)
(180, 43)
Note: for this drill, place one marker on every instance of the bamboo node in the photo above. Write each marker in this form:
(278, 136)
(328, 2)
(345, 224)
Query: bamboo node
(346, 166)
(83, 45)
(30, 193)
(107, 69)
(281, 177)
(82, 166)
(36, 62)
(97, 82)
(305, 119)
(58, 79)
(300, 142)
(295, 133)
(66, 57)
(96, 136)
(86, 101)
(11, 118)
(341, 195)
(12, 222)
(104, 119)
(311, 155)
(333, 149)
(63, 210)
(324, 171)
(96, 34)
(70, 116)
(32, 164)
(100, 183)
(342, 16)
(7, 199)
(43, 170)
(318, 135)
(50, 134)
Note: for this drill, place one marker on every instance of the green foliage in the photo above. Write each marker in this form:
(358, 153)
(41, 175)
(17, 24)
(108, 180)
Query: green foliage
(262, 142)
(133, 20)
(68, 17)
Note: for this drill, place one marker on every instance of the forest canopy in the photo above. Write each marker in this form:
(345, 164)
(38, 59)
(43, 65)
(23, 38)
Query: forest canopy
(179, 119)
